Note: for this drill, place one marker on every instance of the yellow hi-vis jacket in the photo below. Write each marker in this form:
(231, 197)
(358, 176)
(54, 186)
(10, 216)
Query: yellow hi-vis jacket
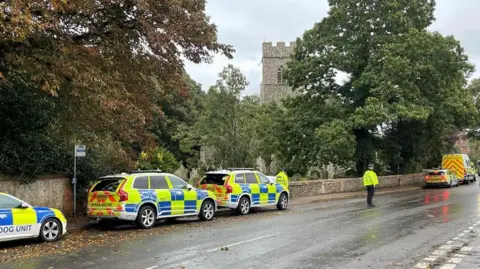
(282, 179)
(370, 178)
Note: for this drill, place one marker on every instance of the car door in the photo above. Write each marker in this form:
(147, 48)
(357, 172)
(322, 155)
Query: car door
(267, 186)
(257, 196)
(15, 221)
(160, 186)
(183, 201)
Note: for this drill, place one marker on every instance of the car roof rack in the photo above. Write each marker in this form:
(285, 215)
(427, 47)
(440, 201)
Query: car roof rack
(147, 171)
(239, 169)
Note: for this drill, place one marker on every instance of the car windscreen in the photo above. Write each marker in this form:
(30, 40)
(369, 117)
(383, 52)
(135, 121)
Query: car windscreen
(214, 179)
(108, 185)
(439, 173)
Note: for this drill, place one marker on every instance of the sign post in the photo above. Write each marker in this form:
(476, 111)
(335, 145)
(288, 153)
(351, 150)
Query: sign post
(79, 151)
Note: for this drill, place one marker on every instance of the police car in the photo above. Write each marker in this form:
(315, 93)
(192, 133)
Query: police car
(145, 196)
(19, 220)
(243, 188)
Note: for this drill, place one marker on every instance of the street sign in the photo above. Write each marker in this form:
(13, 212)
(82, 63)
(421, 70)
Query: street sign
(80, 150)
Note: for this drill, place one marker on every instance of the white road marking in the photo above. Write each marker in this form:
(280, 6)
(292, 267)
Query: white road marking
(470, 228)
(422, 265)
(466, 249)
(446, 247)
(448, 266)
(462, 234)
(243, 242)
(454, 260)
(431, 258)
(459, 255)
(466, 231)
(438, 252)
(449, 242)
(455, 238)
(153, 267)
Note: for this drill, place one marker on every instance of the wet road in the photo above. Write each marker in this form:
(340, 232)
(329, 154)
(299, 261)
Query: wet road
(399, 232)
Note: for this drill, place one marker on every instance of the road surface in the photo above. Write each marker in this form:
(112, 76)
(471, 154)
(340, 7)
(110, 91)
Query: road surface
(401, 232)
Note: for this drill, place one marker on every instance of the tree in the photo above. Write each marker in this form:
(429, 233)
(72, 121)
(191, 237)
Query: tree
(219, 127)
(397, 74)
(107, 67)
(179, 113)
(106, 59)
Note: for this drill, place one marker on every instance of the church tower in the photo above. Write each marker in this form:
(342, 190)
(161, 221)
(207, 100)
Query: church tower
(274, 60)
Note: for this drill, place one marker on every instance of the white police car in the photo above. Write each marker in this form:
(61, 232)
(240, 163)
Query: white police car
(19, 220)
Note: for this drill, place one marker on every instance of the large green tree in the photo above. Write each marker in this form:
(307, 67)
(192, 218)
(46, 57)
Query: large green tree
(396, 76)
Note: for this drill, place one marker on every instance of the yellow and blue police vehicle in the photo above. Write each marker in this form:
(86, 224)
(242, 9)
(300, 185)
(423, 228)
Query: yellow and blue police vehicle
(19, 220)
(243, 188)
(145, 196)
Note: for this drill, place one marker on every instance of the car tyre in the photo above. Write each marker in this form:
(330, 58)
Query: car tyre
(207, 211)
(450, 185)
(51, 230)
(243, 207)
(282, 203)
(146, 217)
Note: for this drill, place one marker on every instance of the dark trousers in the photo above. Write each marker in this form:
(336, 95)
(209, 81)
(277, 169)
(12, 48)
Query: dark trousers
(370, 193)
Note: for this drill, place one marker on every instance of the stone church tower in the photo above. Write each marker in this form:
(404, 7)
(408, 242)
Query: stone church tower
(274, 60)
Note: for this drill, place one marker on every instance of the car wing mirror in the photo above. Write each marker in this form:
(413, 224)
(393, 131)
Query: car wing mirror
(189, 187)
(25, 205)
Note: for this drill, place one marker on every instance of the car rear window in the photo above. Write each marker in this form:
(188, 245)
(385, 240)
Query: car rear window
(108, 185)
(214, 179)
(436, 173)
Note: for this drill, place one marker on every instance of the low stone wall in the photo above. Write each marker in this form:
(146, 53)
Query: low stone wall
(49, 191)
(317, 187)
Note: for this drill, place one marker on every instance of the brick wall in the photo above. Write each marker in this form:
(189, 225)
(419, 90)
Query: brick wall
(317, 187)
(49, 191)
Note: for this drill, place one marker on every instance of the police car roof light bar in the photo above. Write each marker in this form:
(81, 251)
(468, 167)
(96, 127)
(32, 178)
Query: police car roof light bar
(236, 169)
(147, 171)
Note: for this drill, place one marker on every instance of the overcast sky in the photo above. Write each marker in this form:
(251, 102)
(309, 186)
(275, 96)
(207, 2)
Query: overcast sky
(245, 24)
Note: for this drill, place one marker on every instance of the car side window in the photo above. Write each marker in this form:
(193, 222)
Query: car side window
(158, 183)
(263, 179)
(177, 183)
(251, 178)
(141, 183)
(240, 178)
(7, 202)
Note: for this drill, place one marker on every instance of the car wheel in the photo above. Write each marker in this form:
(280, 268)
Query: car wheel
(466, 181)
(51, 230)
(243, 207)
(207, 211)
(450, 185)
(282, 201)
(146, 217)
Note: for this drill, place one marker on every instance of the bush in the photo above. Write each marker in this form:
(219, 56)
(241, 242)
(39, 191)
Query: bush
(159, 158)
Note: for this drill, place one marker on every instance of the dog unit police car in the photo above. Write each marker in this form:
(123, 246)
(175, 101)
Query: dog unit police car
(19, 220)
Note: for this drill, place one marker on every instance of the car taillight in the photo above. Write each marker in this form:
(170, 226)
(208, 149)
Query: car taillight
(123, 194)
(444, 177)
(228, 187)
(427, 178)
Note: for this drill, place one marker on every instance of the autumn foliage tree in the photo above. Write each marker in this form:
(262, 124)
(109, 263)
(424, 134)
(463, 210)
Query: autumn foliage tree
(107, 64)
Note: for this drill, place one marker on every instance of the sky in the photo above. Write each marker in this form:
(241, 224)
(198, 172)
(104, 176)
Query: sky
(245, 24)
